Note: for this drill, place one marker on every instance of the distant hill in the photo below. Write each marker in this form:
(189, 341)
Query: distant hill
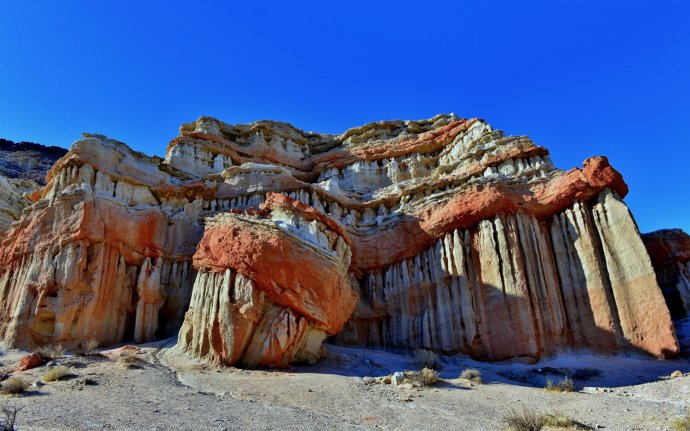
(27, 160)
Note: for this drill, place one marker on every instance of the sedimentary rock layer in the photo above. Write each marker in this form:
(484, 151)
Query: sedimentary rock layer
(514, 285)
(670, 253)
(271, 286)
(13, 199)
(454, 236)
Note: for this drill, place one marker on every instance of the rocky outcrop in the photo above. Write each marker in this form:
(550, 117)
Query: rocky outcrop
(271, 286)
(97, 250)
(440, 233)
(27, 160)
(13, 199)
(23, 168)
(670, 253)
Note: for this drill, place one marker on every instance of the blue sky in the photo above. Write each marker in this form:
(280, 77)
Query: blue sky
(581, 78)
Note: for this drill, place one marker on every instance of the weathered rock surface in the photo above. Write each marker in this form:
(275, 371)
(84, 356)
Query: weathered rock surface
(453, 236)
(669, 250)
(13, 199)
(27, 160)
(271, 285)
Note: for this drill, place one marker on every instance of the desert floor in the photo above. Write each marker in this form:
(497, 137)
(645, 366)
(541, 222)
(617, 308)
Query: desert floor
(166, 390)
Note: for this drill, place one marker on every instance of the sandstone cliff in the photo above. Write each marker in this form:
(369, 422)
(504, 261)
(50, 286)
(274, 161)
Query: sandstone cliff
(13, 199)
(670, 253)
(451, 235)
(23, 167)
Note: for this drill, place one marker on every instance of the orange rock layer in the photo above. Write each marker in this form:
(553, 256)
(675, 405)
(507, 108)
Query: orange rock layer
(261, 240)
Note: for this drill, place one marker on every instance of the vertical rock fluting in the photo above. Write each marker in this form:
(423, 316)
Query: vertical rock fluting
(456, 238)
(78, 264)
(270, 286)
(516, 286)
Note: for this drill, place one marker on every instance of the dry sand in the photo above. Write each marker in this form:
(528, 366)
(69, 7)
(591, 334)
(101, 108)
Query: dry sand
(168, 391)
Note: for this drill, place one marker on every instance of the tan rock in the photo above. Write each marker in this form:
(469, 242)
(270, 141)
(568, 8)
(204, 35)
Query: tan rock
(454, 237)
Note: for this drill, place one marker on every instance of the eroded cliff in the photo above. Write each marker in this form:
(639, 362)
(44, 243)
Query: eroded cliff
(451, 235)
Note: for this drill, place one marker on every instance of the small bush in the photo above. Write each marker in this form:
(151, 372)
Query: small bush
(9, 417)
(89, 347)
(51, 351)
(529, 420)
(681, 424)
(561, 421)
(14, 385)
(426, 359)
(473, 375)
(128, 360)
(424, 377)
(58, 373)
(565, 385)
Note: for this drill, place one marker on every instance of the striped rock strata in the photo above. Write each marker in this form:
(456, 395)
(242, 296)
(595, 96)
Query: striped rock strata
(451, 235)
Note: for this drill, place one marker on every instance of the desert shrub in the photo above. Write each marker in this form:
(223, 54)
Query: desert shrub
(527, 420)
(472, 374)
(89, 347)
(426, 359)
(58, 373)
(129, 360)
(559, 420)
(565, 385)
(51, 351)
(682, 423)
(8, 417)
(14, 385)
(530, 420)
(423, 377)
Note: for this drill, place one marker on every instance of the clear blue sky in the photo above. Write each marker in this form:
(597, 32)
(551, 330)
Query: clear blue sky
(581, 78)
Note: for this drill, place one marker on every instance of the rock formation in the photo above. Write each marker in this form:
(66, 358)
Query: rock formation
(23, 167)
(13, 199)
(27, 160)
(670, 253)
(272, 285)
(441, 233)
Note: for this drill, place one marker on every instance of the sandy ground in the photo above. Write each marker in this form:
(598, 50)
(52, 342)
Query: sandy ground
(168, 391)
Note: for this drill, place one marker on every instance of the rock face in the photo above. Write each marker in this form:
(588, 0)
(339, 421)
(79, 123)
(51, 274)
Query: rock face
(13, 200)
(23, 167)
(670, 253)
(27, 160)
(272, 285)
(441, 233)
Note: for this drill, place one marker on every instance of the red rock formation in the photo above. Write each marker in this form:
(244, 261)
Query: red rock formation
(454, 237)
(28, 362)
(274, 285)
